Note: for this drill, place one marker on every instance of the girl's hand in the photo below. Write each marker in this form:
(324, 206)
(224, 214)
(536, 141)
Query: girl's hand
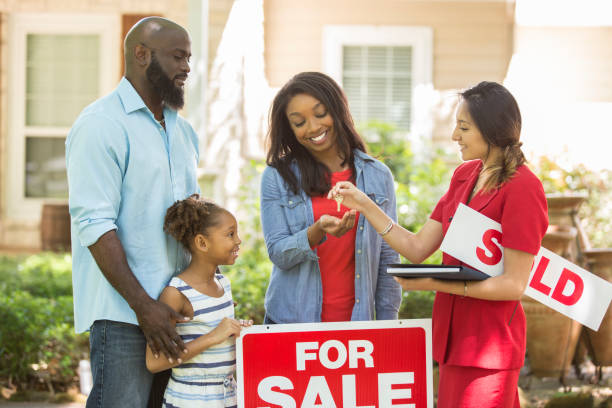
(245, 323)
(336, 226)
(416, 283)
(352, 197)
(227, 328)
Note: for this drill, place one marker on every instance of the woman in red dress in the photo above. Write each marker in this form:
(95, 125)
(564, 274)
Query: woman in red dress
(478, 326)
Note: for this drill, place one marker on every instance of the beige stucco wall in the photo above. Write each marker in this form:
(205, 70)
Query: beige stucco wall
(17, 235)
(572, 63)
(472, 39)
(218, 12)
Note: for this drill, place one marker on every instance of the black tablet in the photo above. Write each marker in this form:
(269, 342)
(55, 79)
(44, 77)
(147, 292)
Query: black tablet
(454, 272)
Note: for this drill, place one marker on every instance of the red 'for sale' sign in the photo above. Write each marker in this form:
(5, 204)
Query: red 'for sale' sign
(345, 365)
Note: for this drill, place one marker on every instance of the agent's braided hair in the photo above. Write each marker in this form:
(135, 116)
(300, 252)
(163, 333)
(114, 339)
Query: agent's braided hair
(189, 217)
(498, 118)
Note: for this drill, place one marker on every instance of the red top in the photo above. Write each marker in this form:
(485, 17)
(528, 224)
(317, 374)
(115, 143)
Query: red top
(336, 260)
(486, 333)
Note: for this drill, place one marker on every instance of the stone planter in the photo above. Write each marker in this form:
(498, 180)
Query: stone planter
(551, 336)
(599, 262)
(563, 211)
(561, 207)
(559, 239)
(551, 339)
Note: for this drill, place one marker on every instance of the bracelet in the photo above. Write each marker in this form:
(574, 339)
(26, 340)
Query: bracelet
(387, 228)
(464, 288)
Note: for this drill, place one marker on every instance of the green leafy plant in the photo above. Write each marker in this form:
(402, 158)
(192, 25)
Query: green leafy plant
(595, 214)
(420, 182)
(420, 179)
(46, 274)
(251, 272)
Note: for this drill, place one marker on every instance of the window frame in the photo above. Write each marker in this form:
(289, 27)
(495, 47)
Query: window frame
(16, 205)
(420, 38)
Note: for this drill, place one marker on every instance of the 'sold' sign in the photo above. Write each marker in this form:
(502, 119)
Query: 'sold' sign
(345, 365)
(475, 240)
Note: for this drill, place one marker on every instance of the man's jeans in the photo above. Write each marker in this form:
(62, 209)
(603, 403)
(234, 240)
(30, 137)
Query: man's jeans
(120, 375)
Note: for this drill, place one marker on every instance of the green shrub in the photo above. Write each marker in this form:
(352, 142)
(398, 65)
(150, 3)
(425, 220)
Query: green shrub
(416, 304)
(37, 339)
(251, 272)
(23, 319)
(9, 279)
(421, 180)
(45, 274)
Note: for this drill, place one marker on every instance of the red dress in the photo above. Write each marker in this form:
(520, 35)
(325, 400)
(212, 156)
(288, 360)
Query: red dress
(477, 333)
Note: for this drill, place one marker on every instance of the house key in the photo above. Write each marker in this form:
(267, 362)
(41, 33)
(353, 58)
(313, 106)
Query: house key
(338, 198)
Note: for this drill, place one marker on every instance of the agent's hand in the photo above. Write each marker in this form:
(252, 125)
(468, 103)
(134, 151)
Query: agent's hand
(336, 226)
(415, 283)
(227, 328)
(158, 324)
(352, 197)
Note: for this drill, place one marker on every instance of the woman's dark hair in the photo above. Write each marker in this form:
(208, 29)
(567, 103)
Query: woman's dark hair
(284, 147)
(498, 118)
(189, 217)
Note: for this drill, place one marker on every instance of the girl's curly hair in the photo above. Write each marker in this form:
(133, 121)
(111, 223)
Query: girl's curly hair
(189, 217)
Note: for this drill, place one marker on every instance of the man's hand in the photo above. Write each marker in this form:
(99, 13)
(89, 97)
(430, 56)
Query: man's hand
(156, 320)
(158, 324)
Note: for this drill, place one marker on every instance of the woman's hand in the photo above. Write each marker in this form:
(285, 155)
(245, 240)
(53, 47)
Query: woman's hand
(416, 283)
(352, 197)
(336, 226)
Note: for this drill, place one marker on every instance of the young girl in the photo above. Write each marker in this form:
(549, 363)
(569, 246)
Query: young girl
(204, 376)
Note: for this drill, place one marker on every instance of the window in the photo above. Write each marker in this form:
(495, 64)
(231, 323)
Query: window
(379, 68)
(58, 66)
(377, 83)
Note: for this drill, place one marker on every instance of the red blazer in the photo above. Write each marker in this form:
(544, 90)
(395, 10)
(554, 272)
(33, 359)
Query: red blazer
(487, 333)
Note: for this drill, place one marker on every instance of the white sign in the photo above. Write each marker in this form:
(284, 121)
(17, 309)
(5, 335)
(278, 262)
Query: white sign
(384, 364)
(475, 239)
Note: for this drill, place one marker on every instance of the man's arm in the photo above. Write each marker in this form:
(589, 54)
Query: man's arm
(156, 319)
(96, 161)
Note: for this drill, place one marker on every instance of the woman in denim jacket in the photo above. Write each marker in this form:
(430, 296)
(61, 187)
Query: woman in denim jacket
(329, 263)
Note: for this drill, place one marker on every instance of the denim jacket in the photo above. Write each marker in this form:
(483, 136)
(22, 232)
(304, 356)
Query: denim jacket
(295, 292)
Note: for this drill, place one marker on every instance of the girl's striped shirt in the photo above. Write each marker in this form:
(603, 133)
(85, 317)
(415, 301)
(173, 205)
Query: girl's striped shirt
(207, 379)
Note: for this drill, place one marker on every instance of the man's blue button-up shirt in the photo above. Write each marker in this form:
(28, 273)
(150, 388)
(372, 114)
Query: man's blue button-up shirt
(124, 171)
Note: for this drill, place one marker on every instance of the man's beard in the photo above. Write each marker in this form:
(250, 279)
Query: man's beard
(172, 95)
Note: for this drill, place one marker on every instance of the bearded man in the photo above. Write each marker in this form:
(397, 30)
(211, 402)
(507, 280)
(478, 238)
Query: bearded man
(129, 156)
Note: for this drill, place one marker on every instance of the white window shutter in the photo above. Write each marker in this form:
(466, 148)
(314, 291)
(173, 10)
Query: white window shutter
(377, 81)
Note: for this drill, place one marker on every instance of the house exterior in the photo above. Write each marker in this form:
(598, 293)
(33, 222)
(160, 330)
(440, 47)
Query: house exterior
(56, 57)
(561, 75)
(399, 61)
